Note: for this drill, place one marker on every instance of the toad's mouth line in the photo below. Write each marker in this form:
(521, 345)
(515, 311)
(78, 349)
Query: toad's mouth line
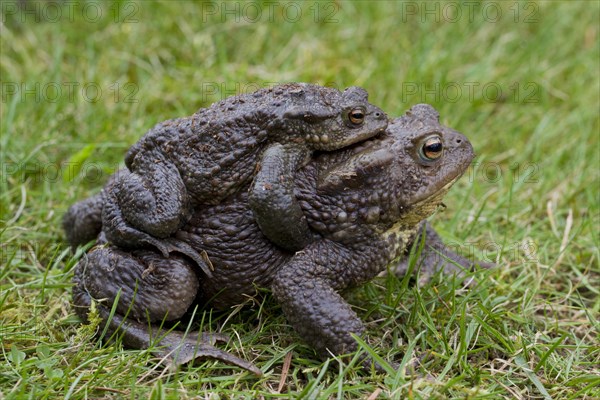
(363, 143)
(368, 137)
(436, 195)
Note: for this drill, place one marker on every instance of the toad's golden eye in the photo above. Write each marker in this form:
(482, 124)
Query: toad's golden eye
(432, 148)
(356, 116)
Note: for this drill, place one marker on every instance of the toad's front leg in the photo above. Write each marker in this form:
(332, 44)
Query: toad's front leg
(435, 256)
(307, 289)
(272, 199)
(144, 206)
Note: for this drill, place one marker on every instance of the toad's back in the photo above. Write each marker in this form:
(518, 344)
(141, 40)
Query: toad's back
(217, 149)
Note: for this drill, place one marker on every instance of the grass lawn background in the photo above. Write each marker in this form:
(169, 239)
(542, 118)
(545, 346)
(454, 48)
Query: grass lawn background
(82, 81)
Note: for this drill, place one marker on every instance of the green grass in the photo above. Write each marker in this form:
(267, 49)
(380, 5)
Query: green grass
(529, 330)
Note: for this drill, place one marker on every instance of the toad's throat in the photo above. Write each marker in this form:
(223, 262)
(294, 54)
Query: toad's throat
(420, 210)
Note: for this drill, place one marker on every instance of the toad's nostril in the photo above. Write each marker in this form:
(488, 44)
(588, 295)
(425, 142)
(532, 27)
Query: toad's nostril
(458, 141)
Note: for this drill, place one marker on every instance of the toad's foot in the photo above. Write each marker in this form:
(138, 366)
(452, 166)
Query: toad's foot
(181, 348)
(170, 245)
(435, 256)
(165, 246)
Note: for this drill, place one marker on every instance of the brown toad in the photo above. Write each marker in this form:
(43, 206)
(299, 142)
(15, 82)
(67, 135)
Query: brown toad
(184, 163)
(365, 206)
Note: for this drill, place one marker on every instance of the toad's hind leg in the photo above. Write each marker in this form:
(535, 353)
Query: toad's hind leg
(142, 211)
(148, 289)
(149, 201)
(83, 220)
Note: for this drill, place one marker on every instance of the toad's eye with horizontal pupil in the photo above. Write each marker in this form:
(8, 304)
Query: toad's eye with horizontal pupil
(432, 148)
(356, 116)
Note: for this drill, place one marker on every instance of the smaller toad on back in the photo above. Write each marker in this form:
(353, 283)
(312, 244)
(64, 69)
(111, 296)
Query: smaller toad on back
(202, 159)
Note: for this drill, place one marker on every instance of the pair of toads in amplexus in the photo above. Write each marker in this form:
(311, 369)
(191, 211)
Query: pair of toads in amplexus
(302, 189)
